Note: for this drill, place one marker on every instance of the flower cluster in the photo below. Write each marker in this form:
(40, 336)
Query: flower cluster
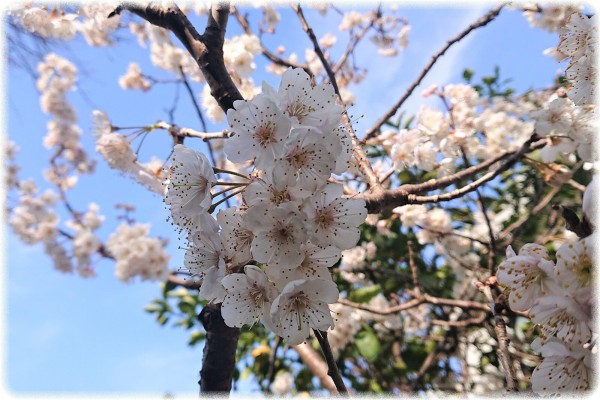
(85, 242)
(10, 165)
(293, 222)
(34, 220)
(91, 21)
(116, 149)
(558, 295)
(57, 76)
(134, 79)
(471, 124)
(578, 41)
(551, 17)
(569, 128)
(137, 254)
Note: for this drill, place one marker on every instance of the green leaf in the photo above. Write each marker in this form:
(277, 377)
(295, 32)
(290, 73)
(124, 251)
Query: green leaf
(367, 343)
(152, 308)
(187, 308)
(489, 80)
(196, 337)
(375, 387)
(468, 74)
(186, 323)
(364, 294)
(167, 287)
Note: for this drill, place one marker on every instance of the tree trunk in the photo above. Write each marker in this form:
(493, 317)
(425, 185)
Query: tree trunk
(218, 361)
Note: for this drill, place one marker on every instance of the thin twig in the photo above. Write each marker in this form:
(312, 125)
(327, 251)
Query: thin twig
(363, 163)
(316, 365)
(187, 132)
(413, 268)
(492, 243)
(271, 371)
(417, 300)
(387, 199)
(206, 49)
(333, 371)
(243, 22)
(352, 45)
(484, 20)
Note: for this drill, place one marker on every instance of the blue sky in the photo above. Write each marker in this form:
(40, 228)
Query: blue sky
(68, 335)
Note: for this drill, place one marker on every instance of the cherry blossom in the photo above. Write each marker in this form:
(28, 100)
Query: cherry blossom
(334, 219)
(564, 369)
(278, 235)
(575, 266)
(307, 156)
(249, 297)
(260, 131)
(205, 251)
(527, 276)
(302, 305)
(190, 180)
(305, 104)
(236, 236)
(315, 265)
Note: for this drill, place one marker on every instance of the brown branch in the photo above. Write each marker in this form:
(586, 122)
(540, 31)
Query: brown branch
(352, 45)
(504, 355)
(417, 300)
(243, 22)
(186, 283)
(464, 304)
(388, 199)
(492, 243)
(484, 20)
(316, 365)
(388, 311)
(434, 184)
(363, 163)
(413, 268)
(544, 201)
(453, 233)
(463, 323)
(332, 369)
(175, 130)
(218, 362)
(206, 49)
(317, 48)
(272, 371)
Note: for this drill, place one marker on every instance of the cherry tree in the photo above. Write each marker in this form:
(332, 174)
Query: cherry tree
(451, 250)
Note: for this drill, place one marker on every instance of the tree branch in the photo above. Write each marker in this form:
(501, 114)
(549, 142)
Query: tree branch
(388, 199)
(333, 370)
(175, 130)
(243, 21)
(484, 20)
(206, 49)
(363, 163)
(316, 365)
(218, 363)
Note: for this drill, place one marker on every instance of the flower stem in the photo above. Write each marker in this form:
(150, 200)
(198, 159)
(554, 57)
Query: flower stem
(333, 372)
(214, 206)
(237, 184)
(225, 191)
(224, 171)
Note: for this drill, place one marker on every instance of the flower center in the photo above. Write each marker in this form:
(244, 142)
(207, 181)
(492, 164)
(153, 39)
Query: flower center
(265, 134)
(298, 110)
